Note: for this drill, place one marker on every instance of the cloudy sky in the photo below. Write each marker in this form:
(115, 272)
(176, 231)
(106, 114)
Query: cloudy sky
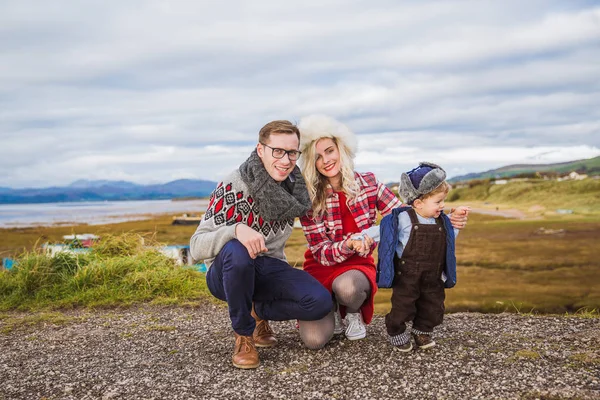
(152, 91)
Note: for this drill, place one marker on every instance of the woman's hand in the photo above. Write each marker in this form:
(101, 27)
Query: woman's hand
(459, 216)
(361, 246)
(352, 244)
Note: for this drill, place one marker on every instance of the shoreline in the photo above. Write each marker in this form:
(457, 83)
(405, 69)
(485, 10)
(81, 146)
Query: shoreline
(53, 215)
(113, 220)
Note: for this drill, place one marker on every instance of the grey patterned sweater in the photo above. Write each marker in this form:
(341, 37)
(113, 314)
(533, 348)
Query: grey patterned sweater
(231, 204)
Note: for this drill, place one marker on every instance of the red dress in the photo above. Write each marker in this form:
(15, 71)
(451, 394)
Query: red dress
(326, 274)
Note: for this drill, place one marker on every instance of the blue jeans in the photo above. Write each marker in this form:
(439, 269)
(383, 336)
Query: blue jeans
(279, 291)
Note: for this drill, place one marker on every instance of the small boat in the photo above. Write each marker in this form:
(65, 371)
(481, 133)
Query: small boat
(187, 219)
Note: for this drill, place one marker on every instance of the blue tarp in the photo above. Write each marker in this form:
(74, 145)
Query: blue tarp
(8, 263)
(200, 267)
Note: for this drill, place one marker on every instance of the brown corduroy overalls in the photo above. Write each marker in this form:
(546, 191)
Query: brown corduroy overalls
(418, 290)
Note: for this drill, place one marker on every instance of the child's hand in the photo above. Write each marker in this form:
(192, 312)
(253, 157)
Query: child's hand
(459, 216)
(364, 248)
(461, 210)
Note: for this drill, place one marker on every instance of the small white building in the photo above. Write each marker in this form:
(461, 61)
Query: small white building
(577, 177)
(180, 253)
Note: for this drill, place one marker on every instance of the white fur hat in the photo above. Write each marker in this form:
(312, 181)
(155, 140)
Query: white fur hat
(317, 126)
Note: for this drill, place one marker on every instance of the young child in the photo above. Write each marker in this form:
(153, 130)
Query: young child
(423, 263)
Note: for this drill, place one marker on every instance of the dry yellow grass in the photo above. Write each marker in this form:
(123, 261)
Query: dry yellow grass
(496, 290)
(503, 264)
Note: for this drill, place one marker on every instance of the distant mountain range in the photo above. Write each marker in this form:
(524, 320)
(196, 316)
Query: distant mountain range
(100, 190)
(588, 166)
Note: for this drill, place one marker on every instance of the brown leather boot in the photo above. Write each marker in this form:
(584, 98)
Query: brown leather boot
(423, 341)
(245, 355)
(263, 334)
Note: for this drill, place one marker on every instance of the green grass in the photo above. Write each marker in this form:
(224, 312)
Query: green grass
(525, 354)
(54, 318)
(119, 271)
(586, 313)
(581, 196)
(162, 328)
(586, 358)
(504, 264)
(589, 166)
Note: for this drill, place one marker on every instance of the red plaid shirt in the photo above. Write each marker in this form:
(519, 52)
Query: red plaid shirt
(326, 239)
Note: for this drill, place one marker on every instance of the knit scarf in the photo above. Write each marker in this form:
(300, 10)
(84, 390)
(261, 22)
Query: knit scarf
(274, 202)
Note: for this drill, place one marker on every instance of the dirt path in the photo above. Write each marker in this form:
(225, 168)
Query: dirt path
(507, 213)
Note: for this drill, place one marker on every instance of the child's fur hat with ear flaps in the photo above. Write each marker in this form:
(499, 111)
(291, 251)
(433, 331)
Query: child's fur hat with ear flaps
(317, 126)
(420, 181)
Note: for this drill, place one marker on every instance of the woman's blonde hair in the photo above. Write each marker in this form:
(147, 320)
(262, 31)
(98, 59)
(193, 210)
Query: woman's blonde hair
(317, 184)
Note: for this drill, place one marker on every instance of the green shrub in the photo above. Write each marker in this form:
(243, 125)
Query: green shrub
(454, 195)
(119, 245)
(119, 271)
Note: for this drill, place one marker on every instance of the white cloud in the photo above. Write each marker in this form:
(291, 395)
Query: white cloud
(154, 91)
(389, 163)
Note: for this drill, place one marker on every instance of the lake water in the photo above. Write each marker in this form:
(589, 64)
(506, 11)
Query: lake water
(93, 212)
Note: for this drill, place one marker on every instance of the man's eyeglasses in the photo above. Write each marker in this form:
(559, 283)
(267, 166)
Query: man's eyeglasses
(279, 153)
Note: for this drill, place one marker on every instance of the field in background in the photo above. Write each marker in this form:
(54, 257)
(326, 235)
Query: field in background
(535, 196)
(14, 240)
(546, 263)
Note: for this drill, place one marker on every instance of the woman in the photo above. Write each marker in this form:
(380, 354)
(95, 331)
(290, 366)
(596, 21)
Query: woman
(343, 202)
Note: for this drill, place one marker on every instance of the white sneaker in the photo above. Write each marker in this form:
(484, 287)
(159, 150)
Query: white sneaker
(339, 326)
(356, 327)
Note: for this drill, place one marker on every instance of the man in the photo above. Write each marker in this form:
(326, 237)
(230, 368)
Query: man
(249, 218)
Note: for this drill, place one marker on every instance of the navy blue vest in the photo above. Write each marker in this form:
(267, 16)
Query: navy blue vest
(389, 241)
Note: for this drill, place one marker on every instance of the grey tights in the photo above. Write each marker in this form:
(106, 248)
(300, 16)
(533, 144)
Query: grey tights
(351, 289)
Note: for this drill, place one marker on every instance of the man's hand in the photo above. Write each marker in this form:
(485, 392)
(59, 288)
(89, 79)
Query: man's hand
(459, 216)
(253, 241)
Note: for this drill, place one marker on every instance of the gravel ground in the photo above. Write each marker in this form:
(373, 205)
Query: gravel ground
(185, 353)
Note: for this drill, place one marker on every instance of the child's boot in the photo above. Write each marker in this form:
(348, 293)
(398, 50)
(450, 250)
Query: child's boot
(423, 340)
(402, 342)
